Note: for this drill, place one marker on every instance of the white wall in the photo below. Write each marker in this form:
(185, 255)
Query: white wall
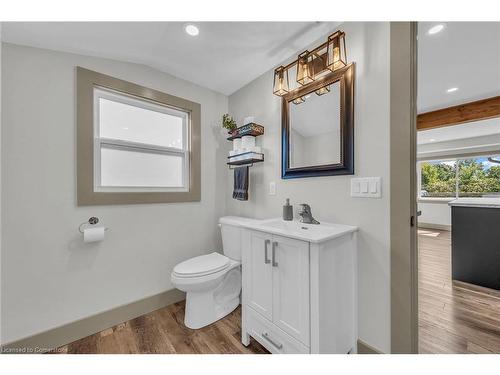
(329, 197)
(52, 278)
(437, 213)
(459, 147)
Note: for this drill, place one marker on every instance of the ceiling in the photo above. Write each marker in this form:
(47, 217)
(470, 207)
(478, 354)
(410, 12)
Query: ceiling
(465, 55)
(469, 130)
(224, 57)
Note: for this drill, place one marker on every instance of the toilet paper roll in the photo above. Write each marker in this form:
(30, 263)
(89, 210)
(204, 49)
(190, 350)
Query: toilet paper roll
(93, 234)
(248, 141)
(236, 144)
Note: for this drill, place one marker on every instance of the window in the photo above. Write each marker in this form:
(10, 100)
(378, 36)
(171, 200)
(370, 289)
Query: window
(135, 144)
(474, 177)
(438, 179)
(479, 177)
(139, 146)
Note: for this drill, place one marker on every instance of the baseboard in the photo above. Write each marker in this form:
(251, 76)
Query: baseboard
(434, 226)
(364, 348)
(56, 337)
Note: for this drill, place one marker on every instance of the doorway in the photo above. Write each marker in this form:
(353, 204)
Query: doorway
(458, 187)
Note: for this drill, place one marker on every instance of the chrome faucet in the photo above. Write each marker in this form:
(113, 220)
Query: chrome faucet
(306, 215)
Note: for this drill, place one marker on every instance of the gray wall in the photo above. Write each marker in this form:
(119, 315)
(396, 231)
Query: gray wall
(52, 278)
(368, 46)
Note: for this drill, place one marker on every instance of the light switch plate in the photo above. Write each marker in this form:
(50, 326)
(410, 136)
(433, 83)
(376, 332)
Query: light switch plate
(355, 187)
(366, 187)
(272, 188)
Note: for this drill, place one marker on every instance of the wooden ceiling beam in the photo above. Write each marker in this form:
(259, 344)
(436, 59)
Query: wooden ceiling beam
(460, 114)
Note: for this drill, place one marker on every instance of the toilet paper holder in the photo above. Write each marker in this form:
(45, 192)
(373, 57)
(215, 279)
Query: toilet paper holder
(91, 221)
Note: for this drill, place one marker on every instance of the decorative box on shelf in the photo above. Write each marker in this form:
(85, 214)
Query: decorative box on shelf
(252, 129)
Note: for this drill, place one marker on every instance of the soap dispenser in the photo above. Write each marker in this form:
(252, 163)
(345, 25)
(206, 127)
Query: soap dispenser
(287, 211)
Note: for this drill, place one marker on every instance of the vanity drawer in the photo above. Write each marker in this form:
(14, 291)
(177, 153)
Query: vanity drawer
(270, 336)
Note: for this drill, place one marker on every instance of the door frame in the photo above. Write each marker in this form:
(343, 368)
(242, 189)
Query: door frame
(403, 198)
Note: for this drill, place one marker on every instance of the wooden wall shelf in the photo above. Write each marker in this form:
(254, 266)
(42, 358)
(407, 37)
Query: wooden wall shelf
(252, 129)
(250, 161)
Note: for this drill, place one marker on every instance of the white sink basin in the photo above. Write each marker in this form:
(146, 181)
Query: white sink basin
(315, 233)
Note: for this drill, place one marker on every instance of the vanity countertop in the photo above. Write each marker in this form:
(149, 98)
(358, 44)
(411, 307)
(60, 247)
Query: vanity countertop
(476, 202)
(315, 233)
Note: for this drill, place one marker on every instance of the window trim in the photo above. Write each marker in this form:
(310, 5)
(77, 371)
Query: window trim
(118, 144)
(87, 82)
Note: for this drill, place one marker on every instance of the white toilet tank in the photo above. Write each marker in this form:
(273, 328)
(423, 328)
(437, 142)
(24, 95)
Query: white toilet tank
(231, 230)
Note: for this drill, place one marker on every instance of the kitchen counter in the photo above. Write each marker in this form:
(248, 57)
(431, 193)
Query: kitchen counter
(476, 202)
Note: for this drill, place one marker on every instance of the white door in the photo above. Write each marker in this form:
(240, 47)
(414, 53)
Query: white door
(260, 278)
(290, 261)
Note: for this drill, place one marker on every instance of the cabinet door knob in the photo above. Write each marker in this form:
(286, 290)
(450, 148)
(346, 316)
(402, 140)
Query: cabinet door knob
(266, 258)
(275, 264)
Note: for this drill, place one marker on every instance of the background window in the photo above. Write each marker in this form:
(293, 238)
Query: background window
(438, 179)
(139, 145)
(474, 177)
(479, 177)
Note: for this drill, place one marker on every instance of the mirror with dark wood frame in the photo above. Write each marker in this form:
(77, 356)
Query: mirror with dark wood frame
(318, 127)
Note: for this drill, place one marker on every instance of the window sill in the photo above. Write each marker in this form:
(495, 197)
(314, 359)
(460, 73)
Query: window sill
(435, 200)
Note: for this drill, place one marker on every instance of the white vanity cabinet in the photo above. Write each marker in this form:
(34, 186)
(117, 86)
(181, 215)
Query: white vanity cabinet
(299, 296)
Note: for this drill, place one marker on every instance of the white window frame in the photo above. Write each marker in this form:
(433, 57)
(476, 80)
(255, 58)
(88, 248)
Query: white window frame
(118, 144)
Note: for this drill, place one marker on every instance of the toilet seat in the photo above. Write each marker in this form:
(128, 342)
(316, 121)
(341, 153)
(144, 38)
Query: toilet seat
(202, 265)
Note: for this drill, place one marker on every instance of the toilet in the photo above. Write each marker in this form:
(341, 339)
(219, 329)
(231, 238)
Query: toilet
(212, 282)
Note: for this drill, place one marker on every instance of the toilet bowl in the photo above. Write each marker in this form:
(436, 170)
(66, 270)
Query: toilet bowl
(212, 282)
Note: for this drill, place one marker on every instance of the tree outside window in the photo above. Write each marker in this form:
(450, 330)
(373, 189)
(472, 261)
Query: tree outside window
(468, 177)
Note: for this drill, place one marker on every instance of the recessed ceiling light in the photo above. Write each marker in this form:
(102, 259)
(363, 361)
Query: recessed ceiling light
(452, 89)
(432, 140)
(192, 30)
(435, 29)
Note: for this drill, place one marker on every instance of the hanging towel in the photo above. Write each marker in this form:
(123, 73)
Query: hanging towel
(240, 191)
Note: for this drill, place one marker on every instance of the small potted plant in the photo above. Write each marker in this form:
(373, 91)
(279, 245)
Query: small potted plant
(229, 123)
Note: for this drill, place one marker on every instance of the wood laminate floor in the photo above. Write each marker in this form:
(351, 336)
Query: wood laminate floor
(453, 317)
(163, 331)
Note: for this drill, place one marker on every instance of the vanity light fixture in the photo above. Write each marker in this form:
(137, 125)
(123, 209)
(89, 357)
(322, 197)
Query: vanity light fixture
(335, 52)
(305, 68)
(299, 100)
(322, 91)
(313, 65)
(280, 81)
